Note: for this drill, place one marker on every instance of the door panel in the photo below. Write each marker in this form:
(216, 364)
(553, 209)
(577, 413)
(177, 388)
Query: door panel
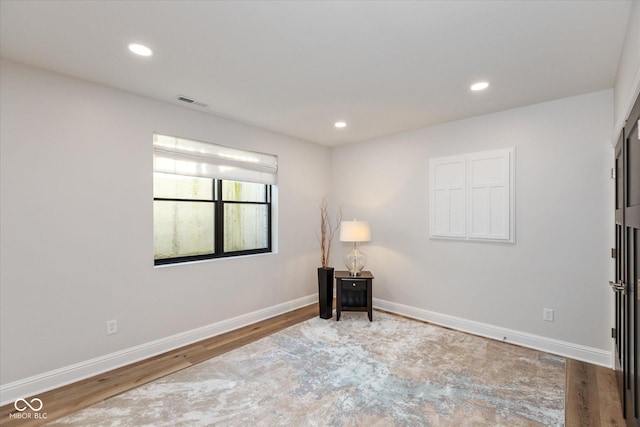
(620, 297)
(632, 224)
(636, 326)
(633, 157)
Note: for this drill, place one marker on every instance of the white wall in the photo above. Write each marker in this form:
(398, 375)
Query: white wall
(627, 85)
(563, 222)
(77, 232)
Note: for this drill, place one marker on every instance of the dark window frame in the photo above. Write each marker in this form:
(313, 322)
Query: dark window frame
(218, 225)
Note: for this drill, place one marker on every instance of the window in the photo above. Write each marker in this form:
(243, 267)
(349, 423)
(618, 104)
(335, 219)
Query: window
(471, 196)
(198, 212)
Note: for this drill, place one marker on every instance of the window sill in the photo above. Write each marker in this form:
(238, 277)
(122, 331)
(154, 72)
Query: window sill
(200, 261)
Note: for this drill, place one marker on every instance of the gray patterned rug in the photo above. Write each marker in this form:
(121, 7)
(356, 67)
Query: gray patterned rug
(390, 372)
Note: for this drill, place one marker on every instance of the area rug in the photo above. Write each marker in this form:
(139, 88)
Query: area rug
(389, 372)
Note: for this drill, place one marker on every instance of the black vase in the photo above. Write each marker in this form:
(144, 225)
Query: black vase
(325, 292)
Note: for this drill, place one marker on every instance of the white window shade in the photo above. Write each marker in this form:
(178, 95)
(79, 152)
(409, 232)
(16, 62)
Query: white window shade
(182, 156)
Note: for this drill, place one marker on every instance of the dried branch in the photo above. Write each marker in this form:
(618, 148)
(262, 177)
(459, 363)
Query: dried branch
(328, 230)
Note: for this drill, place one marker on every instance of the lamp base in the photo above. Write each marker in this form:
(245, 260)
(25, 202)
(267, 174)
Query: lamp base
(355, 261)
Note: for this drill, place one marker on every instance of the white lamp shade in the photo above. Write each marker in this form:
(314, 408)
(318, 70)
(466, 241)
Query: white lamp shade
(355, 231)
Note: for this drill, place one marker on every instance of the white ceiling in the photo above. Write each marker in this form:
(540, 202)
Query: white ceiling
(295, 67)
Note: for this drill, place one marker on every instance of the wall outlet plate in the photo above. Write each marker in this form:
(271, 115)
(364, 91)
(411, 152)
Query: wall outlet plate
(547, 314)
(112, 327)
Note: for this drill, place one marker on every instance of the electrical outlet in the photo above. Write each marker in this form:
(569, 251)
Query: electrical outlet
(547, 314)
(112, 327)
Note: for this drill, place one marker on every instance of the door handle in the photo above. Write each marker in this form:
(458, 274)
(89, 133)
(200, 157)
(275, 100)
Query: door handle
(617, 287)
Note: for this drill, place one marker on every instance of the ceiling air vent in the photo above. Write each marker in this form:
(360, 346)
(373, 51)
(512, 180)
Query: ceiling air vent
(190, 101)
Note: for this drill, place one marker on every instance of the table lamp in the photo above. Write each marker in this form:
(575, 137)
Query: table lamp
(355, 231)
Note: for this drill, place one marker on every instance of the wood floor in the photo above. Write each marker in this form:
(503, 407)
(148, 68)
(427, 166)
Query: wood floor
(591, 393)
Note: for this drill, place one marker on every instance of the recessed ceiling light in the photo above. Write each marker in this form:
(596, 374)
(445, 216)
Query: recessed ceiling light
(139, 49)
(479, 86)
(340, 124)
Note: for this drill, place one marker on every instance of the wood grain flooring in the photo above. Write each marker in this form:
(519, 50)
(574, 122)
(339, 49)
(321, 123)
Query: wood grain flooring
(591, 397)
(591, 393)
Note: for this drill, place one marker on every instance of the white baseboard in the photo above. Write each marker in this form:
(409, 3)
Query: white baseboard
(549, 345)
(69, 374)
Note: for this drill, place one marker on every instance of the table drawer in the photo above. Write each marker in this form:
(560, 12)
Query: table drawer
(354, 284)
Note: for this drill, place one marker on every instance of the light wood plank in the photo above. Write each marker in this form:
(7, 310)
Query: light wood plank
(581, 392)
(609, 398)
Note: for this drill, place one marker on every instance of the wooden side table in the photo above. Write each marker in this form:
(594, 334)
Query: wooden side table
(354, 293)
